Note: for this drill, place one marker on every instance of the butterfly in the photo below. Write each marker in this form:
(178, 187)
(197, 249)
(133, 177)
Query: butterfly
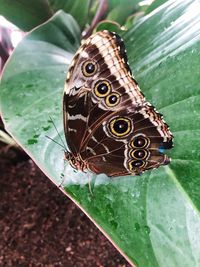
(109, 126)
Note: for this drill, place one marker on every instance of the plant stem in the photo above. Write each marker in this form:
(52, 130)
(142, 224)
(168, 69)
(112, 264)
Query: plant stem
(7, 139)
(103, 6)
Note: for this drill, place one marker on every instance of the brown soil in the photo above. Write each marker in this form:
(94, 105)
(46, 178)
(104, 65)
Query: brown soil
(39, 226)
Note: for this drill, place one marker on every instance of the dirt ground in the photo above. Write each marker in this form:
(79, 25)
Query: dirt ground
(39, 226)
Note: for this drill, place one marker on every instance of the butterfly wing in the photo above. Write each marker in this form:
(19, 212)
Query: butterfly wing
(101, 58)
(99, 91)
(129, 143)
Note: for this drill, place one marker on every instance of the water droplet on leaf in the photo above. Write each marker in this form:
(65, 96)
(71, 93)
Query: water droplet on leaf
(147, 229)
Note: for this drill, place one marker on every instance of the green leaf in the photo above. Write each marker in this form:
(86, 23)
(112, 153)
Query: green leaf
(126, 3)
(132, 20)
(29, 14)
(25, 14)
(153, 219)
(120, 13)
(119, 10)
(78, 9)
(154, 5)
(109, 26)
(171, 56)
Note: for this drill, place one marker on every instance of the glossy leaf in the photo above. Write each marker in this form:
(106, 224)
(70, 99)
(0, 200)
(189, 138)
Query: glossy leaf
(126, 3)
(79, 9)
(119, 10)
(154, 5)
(153, 219)
(25, 14)
(29, 14)
(132, 19)
(120, 13)
(109, 26)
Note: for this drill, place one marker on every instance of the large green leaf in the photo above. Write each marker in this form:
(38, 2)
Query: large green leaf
(25, 14)
(154, 5)
(120, 10)
(79, 9)
(153, 219)
(127, 3)
(29, 14)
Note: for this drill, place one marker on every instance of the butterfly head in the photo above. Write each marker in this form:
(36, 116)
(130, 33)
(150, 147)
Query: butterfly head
(76, 162)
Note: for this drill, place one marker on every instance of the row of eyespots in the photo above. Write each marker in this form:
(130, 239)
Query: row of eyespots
(138, 153)
(102, 88)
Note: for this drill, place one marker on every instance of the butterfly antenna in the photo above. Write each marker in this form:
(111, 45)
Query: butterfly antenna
(62, 177)
(58, 133)
(55, 142)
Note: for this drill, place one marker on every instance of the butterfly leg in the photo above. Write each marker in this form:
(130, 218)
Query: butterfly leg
(90, 184)
(62, 176)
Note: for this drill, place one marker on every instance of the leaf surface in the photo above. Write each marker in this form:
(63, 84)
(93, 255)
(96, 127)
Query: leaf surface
(29, 14)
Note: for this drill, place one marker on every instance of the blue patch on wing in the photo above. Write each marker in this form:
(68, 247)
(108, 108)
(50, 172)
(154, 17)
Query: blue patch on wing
(161, 150)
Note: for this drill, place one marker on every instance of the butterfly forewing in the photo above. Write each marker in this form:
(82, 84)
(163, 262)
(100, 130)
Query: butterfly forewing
(109, 126)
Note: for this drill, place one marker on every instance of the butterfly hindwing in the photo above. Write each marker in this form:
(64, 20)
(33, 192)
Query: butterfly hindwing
(140, 148)
(109, 126)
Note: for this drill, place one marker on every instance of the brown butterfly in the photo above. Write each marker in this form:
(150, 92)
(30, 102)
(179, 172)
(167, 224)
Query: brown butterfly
(109, 126)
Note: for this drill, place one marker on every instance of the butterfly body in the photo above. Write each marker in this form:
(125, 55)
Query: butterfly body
(109, 126)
